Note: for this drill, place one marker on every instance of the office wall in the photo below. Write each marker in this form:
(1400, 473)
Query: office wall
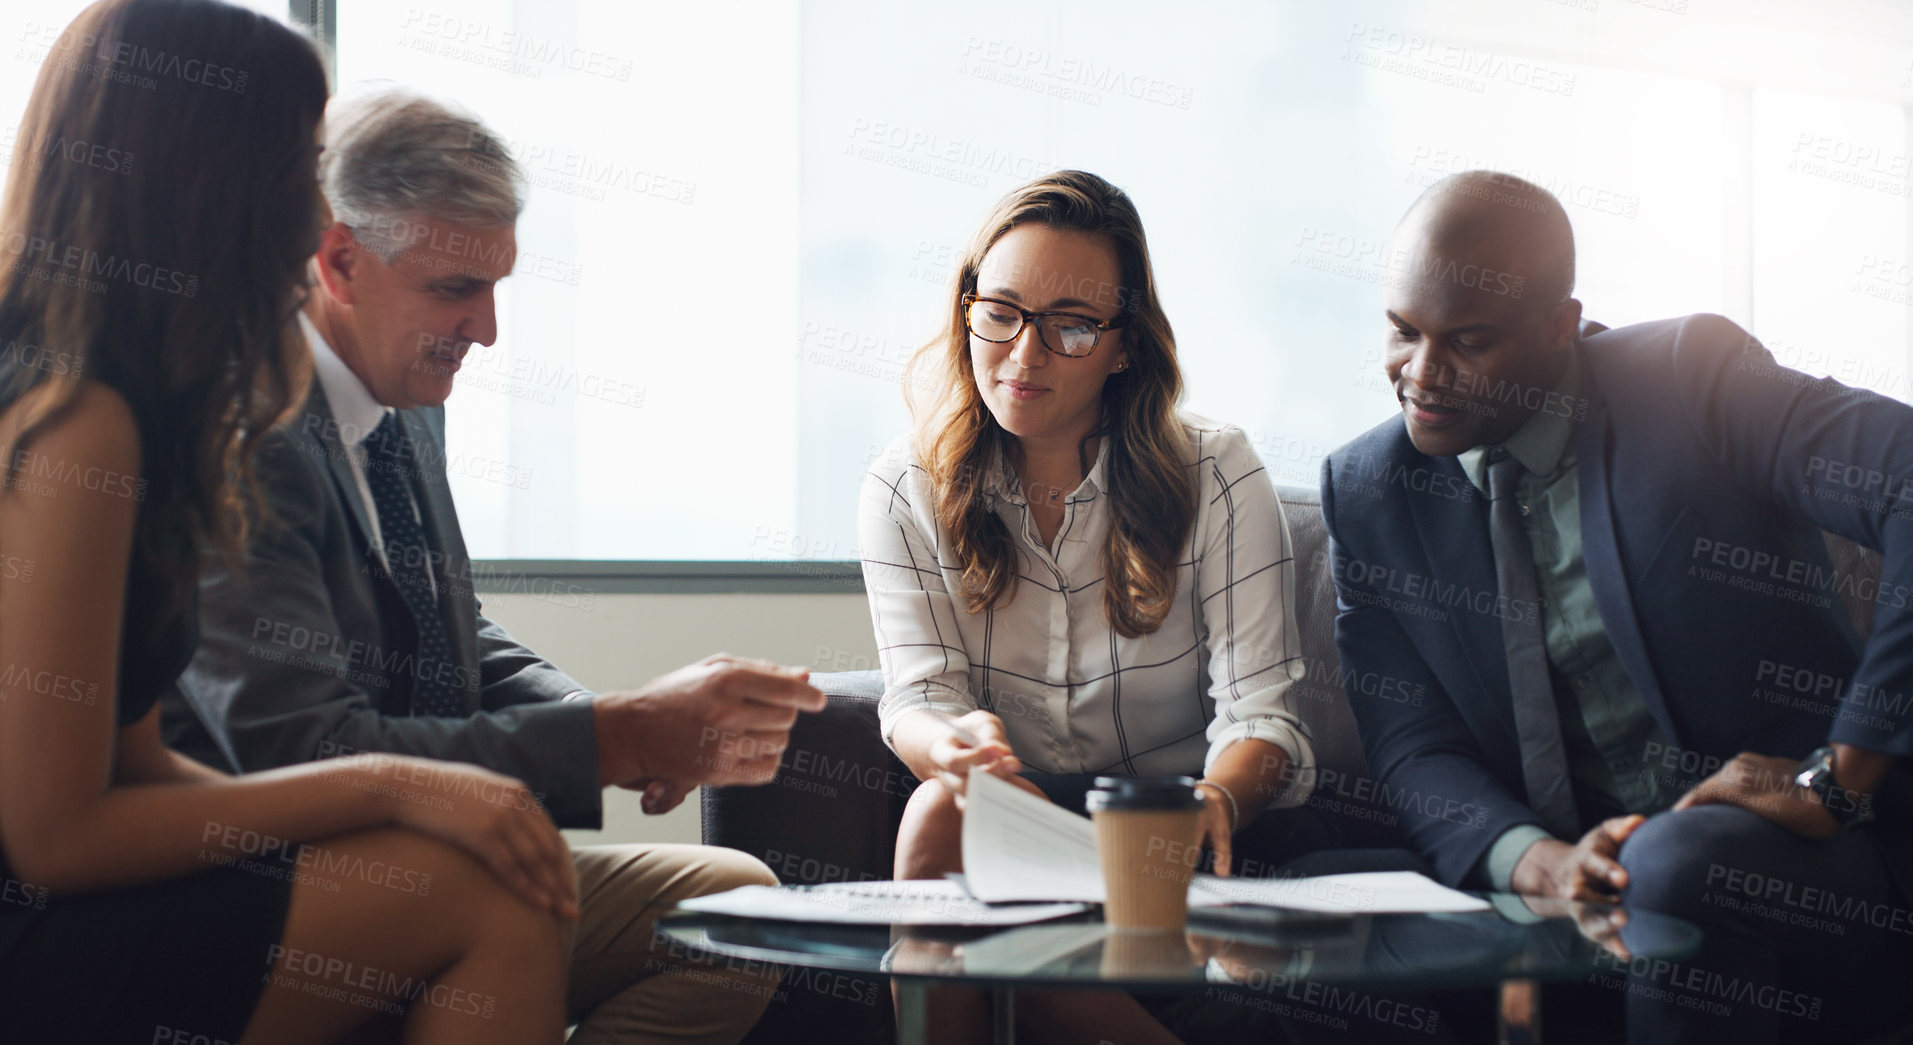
(618, 641)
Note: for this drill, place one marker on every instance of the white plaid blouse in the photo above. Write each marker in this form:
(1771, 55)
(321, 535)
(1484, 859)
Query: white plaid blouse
(1074, 696)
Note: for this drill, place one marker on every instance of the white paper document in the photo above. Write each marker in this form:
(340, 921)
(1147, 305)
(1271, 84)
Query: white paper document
(1017, 846)
(1370, 892)
(873, 903)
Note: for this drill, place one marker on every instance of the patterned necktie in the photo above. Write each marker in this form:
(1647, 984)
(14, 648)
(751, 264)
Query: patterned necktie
(1544, 761)
(408, 561)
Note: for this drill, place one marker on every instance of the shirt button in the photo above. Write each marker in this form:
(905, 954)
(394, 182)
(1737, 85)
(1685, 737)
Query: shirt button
(1524, 510)
(1582, 681)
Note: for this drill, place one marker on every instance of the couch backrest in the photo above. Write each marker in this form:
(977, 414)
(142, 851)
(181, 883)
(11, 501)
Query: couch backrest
(1323, 702)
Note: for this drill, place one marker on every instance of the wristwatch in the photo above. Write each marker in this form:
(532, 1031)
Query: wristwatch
(1849, 809)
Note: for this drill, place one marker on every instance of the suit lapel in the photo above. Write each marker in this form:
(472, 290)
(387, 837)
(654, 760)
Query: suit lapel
(323, 429)
(1461, 564)
(1600, 550)
(450, 564)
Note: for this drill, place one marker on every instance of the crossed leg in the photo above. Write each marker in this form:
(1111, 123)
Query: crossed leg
(440, 952)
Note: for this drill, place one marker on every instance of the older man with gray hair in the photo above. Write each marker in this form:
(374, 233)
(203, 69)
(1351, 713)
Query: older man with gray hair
(352, 626)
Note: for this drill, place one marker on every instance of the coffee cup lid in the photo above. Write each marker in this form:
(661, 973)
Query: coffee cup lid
(1144, 793)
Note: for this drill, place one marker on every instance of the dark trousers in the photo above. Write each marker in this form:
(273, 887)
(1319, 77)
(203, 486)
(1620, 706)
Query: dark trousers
(1803, 940)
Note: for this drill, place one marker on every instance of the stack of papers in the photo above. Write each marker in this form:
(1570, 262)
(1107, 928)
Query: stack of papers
(1028, 860)
(875, 903)
(1371, 892)
(1017, 846)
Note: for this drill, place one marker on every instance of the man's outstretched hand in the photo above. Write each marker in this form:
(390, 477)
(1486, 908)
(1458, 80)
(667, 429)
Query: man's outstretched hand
(723, 720)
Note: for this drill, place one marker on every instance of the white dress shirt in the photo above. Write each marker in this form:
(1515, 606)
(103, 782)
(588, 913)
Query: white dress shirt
(357, 414)
(1075, 696)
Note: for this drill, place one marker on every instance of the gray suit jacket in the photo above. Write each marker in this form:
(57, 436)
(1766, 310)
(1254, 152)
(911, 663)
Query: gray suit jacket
(308, 652)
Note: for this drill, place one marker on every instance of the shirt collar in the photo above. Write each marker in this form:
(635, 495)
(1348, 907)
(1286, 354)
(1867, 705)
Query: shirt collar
(1001, 482)
(353, 406)
(1542, 439)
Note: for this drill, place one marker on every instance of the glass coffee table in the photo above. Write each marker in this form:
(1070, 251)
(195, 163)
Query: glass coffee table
(1512, 949)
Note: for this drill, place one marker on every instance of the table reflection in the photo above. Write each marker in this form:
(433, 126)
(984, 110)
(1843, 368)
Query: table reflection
(1517, 938)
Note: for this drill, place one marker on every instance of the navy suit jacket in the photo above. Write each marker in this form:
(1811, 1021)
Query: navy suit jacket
(1707, 474)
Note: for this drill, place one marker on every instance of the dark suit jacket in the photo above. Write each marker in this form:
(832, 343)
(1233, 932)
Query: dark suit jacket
(308, 651)
(1707, 474)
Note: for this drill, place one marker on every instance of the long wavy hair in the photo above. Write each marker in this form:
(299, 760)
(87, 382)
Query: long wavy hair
(160, 207)
(1148, 471)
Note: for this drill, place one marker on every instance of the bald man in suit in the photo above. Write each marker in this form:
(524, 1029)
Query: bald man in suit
(1596, 549)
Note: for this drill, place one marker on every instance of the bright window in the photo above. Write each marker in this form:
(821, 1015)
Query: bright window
(744, 212)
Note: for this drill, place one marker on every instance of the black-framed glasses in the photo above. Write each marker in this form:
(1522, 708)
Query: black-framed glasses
(1064, 333)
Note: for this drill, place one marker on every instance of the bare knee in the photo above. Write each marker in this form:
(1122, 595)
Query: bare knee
(404, 903)
(443, 871)
(481, 900)
(464, 898)
(930, 840)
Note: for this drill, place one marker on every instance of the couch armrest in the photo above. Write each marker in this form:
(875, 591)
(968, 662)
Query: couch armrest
(831, 814)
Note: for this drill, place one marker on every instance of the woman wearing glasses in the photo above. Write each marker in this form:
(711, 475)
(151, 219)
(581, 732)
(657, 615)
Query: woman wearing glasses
(1068, 571)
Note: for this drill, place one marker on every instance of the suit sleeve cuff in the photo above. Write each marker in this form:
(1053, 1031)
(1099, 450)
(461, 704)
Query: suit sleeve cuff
(1499, 863)
(574, 800)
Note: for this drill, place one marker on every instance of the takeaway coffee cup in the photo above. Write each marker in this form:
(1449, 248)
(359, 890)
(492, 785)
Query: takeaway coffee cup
(1147, 830)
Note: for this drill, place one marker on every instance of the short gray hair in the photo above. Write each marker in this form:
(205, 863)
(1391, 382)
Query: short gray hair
(395, 158)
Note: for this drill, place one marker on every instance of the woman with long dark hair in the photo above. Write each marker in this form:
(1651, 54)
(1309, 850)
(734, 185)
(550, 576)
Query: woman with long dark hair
(1067, 570)
(159, 212)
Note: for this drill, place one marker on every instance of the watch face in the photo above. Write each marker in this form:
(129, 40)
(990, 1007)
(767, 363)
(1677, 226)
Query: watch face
(1814, 768)
(1848, 808)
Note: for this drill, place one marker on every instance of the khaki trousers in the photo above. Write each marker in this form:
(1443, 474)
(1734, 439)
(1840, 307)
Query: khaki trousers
(626, 986)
